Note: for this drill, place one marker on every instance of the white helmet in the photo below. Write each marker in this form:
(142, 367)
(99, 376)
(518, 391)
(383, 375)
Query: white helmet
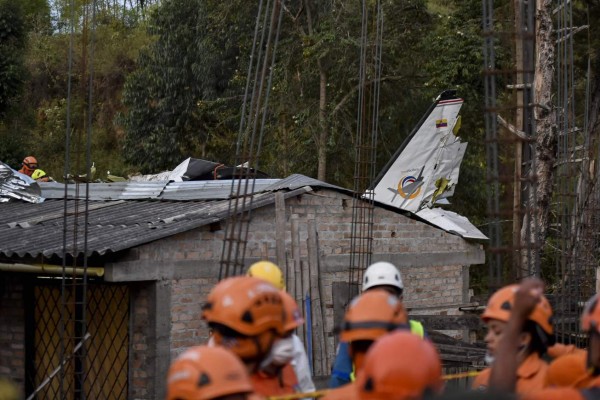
(382, 273)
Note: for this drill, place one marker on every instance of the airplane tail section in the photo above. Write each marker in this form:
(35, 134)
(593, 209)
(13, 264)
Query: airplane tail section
(425, 168)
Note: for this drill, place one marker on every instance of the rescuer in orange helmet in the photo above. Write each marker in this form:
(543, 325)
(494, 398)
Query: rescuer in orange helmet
(535, 334)
(30, 164)
(582, 375)
(271, 273)
(400, 366)
(276, 373)
(246, 316)
(205, 373)
(369, 317)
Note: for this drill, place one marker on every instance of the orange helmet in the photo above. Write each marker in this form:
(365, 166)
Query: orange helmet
(293, 316)
(30, 162)
(590, 319)
(500, 305)
(371, 315)
(246, 314)
(203, 373)
(400, 366)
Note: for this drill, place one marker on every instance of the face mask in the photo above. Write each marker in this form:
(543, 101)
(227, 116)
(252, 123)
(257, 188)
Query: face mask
(281, 353)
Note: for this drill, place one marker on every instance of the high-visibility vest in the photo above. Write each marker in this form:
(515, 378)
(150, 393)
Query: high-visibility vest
(416, 328)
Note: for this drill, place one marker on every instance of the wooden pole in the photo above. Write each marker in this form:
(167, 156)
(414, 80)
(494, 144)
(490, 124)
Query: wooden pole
(519, 65)
(280, 228)
(320, 354)
(297, 272)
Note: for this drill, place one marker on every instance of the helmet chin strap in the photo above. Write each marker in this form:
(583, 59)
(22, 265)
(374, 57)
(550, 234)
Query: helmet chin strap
(594, 369)
(260, 352)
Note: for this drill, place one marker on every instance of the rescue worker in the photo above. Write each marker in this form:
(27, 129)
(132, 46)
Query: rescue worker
(271, 273)
(30, 164)
(380, 275)
(204, 373)
(40, 176)
(369, 317)
(246, 316)
(586, 384)
(568, 371)
(277, 364)
(531, 338)
(400, 366)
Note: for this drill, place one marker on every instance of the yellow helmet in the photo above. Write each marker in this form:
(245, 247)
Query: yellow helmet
(269, 272)
(37, 174)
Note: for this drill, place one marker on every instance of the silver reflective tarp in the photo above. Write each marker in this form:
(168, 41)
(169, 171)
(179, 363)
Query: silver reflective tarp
(17, 186)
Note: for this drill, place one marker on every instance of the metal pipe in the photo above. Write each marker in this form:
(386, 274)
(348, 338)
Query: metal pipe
(50, 269)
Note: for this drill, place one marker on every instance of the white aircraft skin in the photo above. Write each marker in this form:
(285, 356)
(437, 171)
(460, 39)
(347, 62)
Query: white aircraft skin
(409, 183)
(432, 154)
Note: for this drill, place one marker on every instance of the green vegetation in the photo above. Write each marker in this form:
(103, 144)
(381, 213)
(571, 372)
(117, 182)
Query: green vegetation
(169, 77)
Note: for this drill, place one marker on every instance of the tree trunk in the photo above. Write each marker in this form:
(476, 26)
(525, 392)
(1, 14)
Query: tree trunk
(535, 221)
(323, 136)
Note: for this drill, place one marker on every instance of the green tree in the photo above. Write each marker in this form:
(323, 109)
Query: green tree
(184, 98)
(12, 47)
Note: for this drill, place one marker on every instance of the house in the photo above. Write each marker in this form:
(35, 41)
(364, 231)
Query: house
(154, 252)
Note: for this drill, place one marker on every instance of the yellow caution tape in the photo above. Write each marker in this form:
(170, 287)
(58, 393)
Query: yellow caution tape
(468, 374)
(297, 396)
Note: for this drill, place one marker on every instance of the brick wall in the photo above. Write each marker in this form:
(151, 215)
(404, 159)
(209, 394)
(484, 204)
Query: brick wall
(187, 329)
(140, 371)
(430, 259)
(12, 328)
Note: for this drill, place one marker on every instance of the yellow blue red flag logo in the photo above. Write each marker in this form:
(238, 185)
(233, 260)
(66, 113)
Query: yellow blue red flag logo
(441, 123)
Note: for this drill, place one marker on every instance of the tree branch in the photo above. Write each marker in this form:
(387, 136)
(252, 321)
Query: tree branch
(511, 128)
(349, 95)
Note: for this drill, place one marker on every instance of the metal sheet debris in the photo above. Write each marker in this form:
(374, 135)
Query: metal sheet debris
(17, 186)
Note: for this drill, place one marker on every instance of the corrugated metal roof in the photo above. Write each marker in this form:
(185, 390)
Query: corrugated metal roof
(184, 191)
(126, 214)
(105, 191)
(211, 190)
(122, 215)
(37, 229)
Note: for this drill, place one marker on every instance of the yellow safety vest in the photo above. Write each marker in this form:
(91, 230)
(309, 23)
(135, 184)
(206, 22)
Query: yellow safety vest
(415, 327)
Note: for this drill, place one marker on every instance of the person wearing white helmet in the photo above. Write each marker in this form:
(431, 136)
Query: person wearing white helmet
(380, 275)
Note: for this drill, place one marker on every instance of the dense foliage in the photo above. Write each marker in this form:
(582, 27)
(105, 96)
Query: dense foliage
(168, 78)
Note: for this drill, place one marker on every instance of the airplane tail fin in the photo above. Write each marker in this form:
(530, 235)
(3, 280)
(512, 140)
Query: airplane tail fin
(426, 166)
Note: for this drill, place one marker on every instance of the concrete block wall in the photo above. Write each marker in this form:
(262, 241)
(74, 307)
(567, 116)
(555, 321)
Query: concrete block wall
(430, 259)
(12, 329)
(140, 372)
(187, 328)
